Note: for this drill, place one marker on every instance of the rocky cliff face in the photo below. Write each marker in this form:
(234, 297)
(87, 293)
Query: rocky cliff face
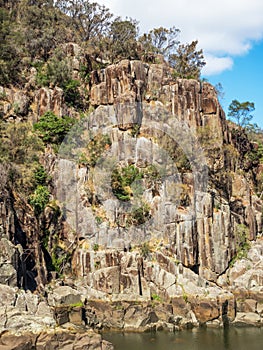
(157, 207)
(200, 232)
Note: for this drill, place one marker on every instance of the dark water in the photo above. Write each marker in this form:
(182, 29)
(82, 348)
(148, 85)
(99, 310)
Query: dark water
(196, 339)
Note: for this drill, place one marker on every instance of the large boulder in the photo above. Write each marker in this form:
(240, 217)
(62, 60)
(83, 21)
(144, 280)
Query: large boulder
(64, 296)
(247, 319)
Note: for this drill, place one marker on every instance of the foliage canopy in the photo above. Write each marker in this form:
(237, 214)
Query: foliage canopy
(240, 112)
(53, 129)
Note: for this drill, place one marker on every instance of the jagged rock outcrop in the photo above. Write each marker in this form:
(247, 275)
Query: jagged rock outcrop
(161, 251)
(21, 257)
(28, 321)
(148, 95)
(11, 265)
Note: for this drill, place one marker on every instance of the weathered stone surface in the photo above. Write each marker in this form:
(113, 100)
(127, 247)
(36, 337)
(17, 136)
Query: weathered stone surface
(9, 256)
(21, 103)
(32, 301)
(8, 275)
(260, 309)
(249, 318)
(75, 316)
(64, 295)
(59, 339)
(23, 322)
(8, 295)
(209, 106)
(205, 309)
(136, 316)
(61, 314)
(14, 103)
(251, 278)
(238, 270)
(227, 306)
(161, 278)
(180, 306)
(107, 280)
(49, 100)
(248, 305)
(24, 342)
(191, 240)
(43, 310)
(256, 293)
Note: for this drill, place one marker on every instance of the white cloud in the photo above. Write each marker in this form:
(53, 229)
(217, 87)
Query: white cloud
(223, 28)
(216, 65)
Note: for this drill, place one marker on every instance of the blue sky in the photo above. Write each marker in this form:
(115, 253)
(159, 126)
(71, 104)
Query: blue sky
(244, 81)
(230, 32)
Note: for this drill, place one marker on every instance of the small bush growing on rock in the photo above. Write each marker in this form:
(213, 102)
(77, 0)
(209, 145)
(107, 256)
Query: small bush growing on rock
(60, 259)
(53, 129)
(39, 199)
(139, 215)
(98, 219)
(126, 181)
(145, 249)
(135, 130)
(40, 175)
(155, 297)
(95, 247)
(77, 305)
(121, 180)
(184, 295)
(242, 243)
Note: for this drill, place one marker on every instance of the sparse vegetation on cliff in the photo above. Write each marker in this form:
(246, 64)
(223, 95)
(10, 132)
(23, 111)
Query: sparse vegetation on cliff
(121, 180)
(95, 149)
(39, 199)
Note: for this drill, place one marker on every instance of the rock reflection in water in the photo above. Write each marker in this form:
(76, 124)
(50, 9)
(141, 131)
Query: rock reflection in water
(196, 339)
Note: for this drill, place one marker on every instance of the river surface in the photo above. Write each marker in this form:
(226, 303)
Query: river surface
(196, 339)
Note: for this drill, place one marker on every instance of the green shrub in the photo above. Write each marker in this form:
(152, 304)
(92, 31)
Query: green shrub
(242, 243)
(98, 219)
(79, 304)
(42, 78)
(39, 199)
(20, 149)
(84, 73)
(53, 129)
(145, 249)
(56, 71)
(121, 180)
(156, 297)
(60, 259)
(95, 247)
(135, 130)
(40, 175)
(139, 215)
(72, 93)
(152, 173)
